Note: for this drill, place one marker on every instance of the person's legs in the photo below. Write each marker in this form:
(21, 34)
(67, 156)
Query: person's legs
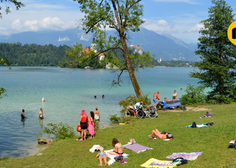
(84, 134)
(100, 160)
(105, 159)
(157, 133)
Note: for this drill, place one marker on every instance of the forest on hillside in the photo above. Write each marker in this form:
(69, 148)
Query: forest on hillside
(51, 55)
(32, 54)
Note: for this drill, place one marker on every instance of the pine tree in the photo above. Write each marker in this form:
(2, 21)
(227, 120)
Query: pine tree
(218, 57)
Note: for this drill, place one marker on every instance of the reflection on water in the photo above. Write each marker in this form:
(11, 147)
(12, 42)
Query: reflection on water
(23, 122)
(41, 123)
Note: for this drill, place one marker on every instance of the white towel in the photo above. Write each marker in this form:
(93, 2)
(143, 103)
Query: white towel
(93, 148)
(112, 160)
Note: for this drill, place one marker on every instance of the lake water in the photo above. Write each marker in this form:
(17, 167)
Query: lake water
(67, 92)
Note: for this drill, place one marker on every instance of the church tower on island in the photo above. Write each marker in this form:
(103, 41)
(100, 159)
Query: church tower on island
(94, 46)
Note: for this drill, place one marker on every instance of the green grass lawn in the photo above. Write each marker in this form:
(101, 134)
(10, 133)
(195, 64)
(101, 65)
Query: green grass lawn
(212, 141)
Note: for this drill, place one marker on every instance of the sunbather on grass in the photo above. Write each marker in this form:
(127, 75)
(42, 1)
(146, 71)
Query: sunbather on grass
(118, 150)
(101, 156)
(156, 133)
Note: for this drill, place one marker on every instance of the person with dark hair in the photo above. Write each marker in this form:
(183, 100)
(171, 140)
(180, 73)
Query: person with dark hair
(174, 96)
(103, 96)
(23, 114)
(91, 124)
(118, 150)
(84, 124)
(95, 97)
(156, 133)
(97, 115)
(41, 114)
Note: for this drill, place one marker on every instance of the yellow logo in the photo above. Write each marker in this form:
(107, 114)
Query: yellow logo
(232, 33)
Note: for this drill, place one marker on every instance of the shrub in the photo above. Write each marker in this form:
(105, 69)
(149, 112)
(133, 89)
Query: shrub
(96, 125)
(114, 118)
(60, 131)
(122, 119)
(194, 95)
(132, 100)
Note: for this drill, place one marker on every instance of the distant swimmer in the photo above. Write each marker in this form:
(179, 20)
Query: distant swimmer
(103, 96)
(181, 89)
(41, 114)
(95, 97)
(23, 114)
(43, 100)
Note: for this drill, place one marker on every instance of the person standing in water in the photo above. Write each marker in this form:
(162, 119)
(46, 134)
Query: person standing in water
(41, 114)
(97, 115)
(23, 114)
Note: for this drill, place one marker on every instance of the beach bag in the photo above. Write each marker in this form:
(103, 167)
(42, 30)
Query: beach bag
(180, 161)
(194, 125)
(78, 128)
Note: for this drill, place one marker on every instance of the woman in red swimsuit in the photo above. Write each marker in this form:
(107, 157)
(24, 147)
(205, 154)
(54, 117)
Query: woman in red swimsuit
(84, 124)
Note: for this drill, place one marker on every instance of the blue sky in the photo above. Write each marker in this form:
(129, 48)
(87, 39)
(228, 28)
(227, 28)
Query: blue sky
(179, 18)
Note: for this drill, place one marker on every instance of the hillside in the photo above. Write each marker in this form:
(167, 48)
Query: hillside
(165, 47)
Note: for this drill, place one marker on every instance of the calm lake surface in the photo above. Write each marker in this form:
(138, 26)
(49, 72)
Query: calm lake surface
(67, 92)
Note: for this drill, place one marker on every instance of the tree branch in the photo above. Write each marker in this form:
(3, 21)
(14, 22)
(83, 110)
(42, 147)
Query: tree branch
(93, 25)
(114, 83)
(128, 8)
(117, 16)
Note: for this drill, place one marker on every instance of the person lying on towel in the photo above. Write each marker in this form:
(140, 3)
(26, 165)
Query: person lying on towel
(158, 134)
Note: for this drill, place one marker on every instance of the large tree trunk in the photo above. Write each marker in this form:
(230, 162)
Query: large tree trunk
(130, 68)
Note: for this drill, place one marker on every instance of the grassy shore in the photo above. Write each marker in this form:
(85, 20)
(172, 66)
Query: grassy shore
(212, 141)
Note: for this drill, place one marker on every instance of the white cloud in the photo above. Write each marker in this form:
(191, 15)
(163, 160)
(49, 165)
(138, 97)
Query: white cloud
(63, 39)
(185, 27)
(47, 23)
(185, 1)
(196, 28)
(159, 26)
(16, 25)
(31, 25)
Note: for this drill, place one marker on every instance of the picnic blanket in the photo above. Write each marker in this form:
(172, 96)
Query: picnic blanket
(188, 156)
(136, 147)
(158, 163)
(112, 157)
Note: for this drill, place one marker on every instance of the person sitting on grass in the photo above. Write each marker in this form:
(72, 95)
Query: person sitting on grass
(118, 150)
(101, 156)
(157, 134)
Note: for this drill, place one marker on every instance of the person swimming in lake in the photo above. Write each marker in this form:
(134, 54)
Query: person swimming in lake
(43, 100)
(118, 150)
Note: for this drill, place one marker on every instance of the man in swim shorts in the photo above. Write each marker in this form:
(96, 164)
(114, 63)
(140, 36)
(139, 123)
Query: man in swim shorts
(174, 96)
(41, 114)
(156, 98)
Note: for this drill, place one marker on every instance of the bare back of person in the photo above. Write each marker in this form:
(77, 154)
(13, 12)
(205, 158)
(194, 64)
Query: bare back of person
(118, 148)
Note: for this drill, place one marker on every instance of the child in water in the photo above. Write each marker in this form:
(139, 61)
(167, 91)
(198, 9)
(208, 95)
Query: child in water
(101, 156)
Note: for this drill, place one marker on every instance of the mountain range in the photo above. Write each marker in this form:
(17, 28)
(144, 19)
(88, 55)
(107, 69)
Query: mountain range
(163, 46)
